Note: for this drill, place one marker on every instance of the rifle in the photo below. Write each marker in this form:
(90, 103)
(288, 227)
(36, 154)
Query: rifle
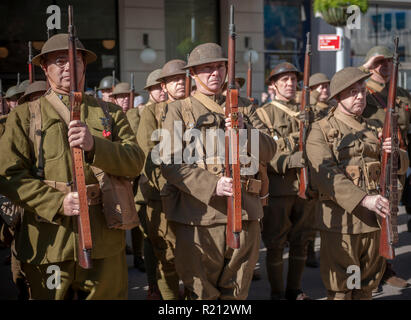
(250, 79)
(188, 82)
(389, 166)
(305, 100)
(232, 145)
(79, 184)
(113, 84)
(131, 97)
(18, 78)
(30, 63)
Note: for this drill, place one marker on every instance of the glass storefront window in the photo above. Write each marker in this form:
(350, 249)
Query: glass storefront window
(285, 27)
(378, 27)
(188, 24)
(96, 23)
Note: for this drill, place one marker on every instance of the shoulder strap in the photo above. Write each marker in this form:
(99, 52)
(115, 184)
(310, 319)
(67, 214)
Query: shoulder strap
(187, 113)
(209, 104)
(263, 115)
(35, 134)
(356, 126)
(291, 113)
(159, 113)
(104, 106)
(59, 106)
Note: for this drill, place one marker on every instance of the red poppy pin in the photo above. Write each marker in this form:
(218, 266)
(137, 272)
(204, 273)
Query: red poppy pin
(106, 125)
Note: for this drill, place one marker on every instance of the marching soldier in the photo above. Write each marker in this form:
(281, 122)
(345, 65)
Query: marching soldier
(319, 93)
(194, 196)
(172, 79)
(344, 154)
(121, 97)
(12, 96)
(284, 217)
(39, 181)
(106, 87)
(33, 91)
(378, 61)
(156, 95)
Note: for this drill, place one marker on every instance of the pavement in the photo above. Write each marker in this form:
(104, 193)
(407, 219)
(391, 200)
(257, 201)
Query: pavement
(260, 289)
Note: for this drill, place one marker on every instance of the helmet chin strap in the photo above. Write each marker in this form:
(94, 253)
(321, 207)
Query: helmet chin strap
(278, 91)
(62, 91)
(345, 108)
(203, 84)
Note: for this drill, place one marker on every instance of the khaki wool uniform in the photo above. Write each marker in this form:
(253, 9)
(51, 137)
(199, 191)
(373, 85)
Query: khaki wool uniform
(3, 120)
(47, 237)
(285, 215)
(344, 155)
(160, 235)
(209, 268)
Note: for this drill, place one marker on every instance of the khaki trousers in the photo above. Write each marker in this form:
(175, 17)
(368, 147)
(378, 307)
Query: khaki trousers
(106, 280)
(343, 253)
(163, 242)
(211, 270)
(284, 222)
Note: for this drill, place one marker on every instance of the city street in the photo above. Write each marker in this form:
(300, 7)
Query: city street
(260, 290)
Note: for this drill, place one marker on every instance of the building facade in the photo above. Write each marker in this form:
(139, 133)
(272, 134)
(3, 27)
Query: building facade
(137, 36)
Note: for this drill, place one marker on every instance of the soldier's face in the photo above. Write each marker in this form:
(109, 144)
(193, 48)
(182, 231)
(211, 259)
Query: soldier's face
(212, 75)
(175, 87)
(384, 68)
(105, 93)
(122, 100)
(56, 68)
(354, 98)
(157, 93)
(12, 103)
(324, 90)
(286, 85)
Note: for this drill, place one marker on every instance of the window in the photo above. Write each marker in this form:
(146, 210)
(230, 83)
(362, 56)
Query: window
(285, 27)
(95, 21)
(189, 23)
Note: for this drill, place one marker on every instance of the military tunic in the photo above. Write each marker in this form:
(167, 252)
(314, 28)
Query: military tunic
(343, 160)
(46, 236)
(208, 267)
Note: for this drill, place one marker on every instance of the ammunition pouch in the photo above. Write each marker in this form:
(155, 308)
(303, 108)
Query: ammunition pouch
(354, 174)
(372, 175)
(252, 186)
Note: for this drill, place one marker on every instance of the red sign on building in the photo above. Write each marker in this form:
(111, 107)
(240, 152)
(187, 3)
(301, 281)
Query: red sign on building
(329, 42)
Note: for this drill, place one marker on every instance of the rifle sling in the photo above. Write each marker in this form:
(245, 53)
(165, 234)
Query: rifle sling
(354, 124)
(209, 104)
(282, 107)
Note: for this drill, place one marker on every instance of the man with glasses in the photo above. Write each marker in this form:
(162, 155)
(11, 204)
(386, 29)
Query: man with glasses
(378, 61)
(344, 153)
(39, 178)
(195, 195)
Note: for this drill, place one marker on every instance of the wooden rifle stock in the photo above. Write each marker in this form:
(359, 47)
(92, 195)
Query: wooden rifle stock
(234, 226)
(30, 63)
(79, 183)
(303, 185)
(250, 79)
(389, 167)
(187, 83)
(131, 96)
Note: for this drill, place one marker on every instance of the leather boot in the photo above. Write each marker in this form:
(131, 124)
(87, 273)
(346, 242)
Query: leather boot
(274, 265)
(390, 278)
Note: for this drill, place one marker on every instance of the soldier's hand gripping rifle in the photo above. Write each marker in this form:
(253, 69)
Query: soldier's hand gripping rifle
(131, 95)
(305, 99)
(232, 146)
(30, 63)
(79, 184)
(188, 82)
(389, 166)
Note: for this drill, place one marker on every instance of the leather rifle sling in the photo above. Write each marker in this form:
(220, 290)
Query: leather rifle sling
(209, 104)
(77, 154)
(354, 124)
(291, 113)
